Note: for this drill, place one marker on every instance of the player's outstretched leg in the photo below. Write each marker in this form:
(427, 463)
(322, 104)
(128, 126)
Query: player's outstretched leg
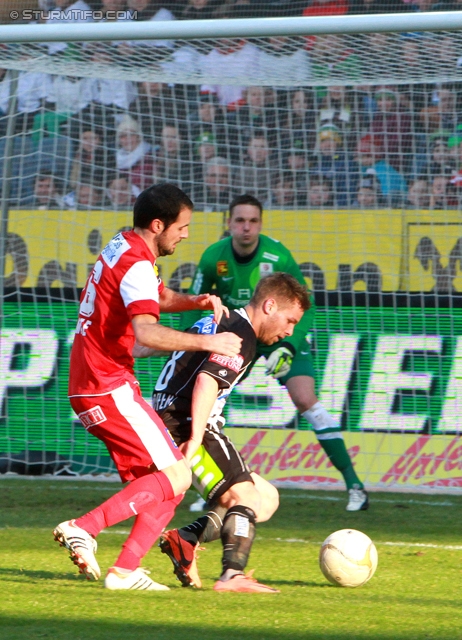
(237, 536)
(330, 438)
(81, 546)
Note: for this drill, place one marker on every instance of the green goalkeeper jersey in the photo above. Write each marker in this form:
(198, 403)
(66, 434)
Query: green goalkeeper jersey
(234, 278)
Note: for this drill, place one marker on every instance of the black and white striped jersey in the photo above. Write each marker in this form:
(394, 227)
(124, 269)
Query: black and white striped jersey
(173, 391)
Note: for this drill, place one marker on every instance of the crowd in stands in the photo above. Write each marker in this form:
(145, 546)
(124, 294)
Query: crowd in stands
(89, 143)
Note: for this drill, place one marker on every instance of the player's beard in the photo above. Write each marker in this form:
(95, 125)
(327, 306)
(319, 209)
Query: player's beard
(163, 247)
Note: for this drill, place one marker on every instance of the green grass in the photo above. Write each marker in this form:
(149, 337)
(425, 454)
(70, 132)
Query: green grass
(414, 595)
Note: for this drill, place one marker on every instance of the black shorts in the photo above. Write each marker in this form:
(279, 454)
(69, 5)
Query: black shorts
(219, 466)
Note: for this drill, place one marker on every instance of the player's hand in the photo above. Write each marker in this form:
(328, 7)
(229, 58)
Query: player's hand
(189, 448)
(279, 363)
(225, 344)
(207, 301)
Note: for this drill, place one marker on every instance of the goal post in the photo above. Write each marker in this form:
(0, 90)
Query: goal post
(349, 131)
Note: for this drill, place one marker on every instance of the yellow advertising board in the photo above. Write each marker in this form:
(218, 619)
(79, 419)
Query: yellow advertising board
(377, 250)
(342, 244)
(434, 251)
(382, 460)
(67, 243)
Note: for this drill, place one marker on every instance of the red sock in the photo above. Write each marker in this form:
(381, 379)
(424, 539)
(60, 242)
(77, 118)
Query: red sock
(147, 528)
(141, 494)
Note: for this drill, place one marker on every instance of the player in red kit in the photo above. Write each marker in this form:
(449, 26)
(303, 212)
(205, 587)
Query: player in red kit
(120, 306)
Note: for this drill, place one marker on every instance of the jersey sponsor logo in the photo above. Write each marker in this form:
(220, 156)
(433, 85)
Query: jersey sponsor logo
(114, 250)
(222, 268)
(245, 294)
(234, 364)
(206, 325)
(92, 417)
(270, 256)
(266, 268)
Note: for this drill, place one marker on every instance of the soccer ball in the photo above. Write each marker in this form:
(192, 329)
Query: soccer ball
(348, 558)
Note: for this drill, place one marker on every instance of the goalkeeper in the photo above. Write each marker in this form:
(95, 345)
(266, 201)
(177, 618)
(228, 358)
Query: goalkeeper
(231, 268)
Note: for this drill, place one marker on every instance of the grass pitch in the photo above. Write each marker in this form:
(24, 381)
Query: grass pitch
(414, 595)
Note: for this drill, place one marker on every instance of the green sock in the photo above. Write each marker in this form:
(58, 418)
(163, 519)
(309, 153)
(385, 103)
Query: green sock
(337, 453)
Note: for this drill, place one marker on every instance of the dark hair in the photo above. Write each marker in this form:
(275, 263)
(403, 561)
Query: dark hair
(318, 179)
(163, 202)
(284, 287)
(246, 198)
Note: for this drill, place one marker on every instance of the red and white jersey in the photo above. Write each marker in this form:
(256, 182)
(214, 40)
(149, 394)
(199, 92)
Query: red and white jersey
(124, 283)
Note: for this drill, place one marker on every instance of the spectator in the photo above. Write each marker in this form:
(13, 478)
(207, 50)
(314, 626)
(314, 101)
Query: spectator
(370, 157)
(283, 195)
(379, 61)
(393, 127)
(299, 123)
(199, 10)
(320, 192)
(295, 160)
(326, 8)
(121, 194)
(339, 107)
(368, 193)
(418, 195)
(235, 58)
(257, 171)
(442, 114)
(133, 154)
(46, 195)
(173, 159)
(284, 58)
(441, 161)
(207, 118)
(331, 59)
(111, 93)
(114, 7)
(332, 162)
(156, 104)
(442, 195)
(158, 49)
(78, 11)
(85, 196)
(205, 149)
(92, 160)
(70, 95)
(33, 89)
(215, 192)
(252, 115)
(455, 147)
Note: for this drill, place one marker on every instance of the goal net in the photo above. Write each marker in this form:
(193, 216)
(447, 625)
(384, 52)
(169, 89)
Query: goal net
(352, 142)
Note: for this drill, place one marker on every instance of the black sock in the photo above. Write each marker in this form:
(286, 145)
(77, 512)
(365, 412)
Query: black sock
(237, 537)
(206, 528)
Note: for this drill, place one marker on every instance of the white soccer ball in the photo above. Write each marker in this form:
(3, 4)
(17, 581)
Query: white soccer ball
(348, 558)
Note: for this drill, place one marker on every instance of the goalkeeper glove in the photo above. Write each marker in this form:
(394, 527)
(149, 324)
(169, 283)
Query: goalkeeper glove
(279, 362)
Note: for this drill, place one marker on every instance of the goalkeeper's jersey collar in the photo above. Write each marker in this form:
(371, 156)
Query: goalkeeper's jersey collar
(245, 259)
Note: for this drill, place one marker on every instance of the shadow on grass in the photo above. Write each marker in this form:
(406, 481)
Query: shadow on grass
(17, 629)
(15, 574)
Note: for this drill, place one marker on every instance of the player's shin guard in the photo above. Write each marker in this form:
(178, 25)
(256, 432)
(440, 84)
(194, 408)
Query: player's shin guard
(206, 528)
(330, 438)
(237, 536)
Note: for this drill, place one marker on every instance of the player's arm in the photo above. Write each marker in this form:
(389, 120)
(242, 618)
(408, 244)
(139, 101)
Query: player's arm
(203, 398)
(203, 282)
(149, 333)
(171, 302)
